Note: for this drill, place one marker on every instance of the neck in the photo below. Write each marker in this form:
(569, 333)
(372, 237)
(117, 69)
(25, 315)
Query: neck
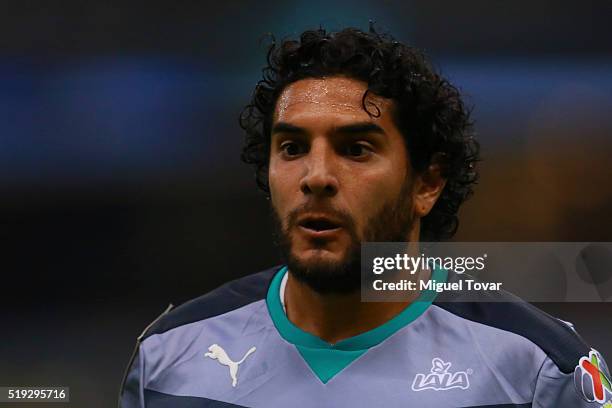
(335, 317)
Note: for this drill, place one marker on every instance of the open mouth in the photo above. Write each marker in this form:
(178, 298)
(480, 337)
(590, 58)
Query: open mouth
(319, 225)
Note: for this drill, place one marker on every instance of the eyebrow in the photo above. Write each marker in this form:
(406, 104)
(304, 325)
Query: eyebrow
(352, 129)
(284, 127)
(359, 128)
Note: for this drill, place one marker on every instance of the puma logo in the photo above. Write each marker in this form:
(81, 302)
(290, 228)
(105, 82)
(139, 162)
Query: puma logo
(216, 352)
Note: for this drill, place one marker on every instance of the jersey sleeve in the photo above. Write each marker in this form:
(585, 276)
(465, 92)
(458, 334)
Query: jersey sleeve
(131, 393)
(580, 389)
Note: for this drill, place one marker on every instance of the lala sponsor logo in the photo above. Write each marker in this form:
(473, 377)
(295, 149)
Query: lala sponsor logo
(592, 378)
(440, 379)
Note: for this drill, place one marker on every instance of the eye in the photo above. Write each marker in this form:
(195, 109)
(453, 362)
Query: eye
(291, 149)
(358, 150)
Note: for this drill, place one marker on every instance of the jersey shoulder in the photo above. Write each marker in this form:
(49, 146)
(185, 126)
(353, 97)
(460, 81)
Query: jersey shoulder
(505, 311)
(230, 296)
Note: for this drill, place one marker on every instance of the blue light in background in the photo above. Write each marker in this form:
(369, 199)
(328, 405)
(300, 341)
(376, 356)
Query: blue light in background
(104, 118)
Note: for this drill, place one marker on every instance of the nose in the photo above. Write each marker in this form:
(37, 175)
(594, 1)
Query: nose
(319, 178)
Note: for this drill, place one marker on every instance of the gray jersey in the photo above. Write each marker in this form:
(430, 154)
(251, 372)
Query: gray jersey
(235, 347)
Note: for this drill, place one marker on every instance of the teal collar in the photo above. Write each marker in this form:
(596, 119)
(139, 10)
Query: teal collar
(326, 359)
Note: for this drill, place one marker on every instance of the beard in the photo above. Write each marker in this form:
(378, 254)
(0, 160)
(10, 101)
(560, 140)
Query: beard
(391, 223)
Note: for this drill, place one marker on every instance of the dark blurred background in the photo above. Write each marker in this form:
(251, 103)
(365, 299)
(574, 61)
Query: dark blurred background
(122, 189)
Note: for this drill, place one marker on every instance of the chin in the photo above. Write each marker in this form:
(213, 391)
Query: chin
(326, 272)
(322, 252)
(319, 256)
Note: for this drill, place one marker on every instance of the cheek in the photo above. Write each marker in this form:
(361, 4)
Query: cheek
(373, 189)
(273, 184)
(281, 182)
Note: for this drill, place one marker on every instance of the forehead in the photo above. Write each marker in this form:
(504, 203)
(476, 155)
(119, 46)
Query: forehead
(332, 95)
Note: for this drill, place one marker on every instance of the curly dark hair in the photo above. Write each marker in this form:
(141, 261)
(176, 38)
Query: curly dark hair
(428, 110)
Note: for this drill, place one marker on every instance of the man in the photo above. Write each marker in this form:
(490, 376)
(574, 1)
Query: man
(355, 138)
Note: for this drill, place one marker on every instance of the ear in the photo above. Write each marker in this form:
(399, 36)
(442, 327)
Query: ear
(427, 188)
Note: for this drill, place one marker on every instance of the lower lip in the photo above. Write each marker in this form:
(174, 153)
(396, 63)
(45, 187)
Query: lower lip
(329, 233)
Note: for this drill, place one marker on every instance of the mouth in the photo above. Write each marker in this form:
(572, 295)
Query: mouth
(319, 226)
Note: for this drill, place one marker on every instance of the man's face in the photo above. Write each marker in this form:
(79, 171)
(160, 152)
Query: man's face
(338, 176)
